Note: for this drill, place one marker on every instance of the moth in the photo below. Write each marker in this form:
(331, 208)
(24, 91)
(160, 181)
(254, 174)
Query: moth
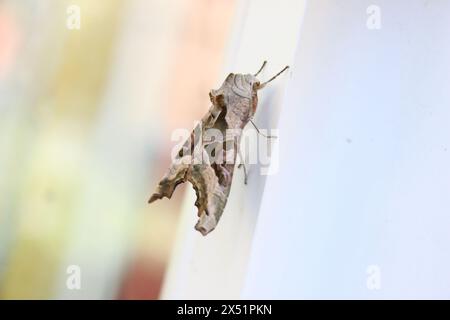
(207, 160)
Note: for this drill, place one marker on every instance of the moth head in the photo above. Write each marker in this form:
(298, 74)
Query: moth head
(240, 84)
(256, 85)
(238, 87)
(254, 82)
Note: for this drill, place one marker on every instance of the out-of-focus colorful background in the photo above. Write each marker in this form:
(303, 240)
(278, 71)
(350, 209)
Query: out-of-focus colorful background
(85, 121)
(91, 91)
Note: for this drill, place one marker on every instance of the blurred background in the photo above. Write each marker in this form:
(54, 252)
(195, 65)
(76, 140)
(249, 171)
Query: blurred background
(90, 92)
(87, 107)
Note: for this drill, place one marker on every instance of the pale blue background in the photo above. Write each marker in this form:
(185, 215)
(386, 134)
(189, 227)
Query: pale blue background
(364, 158)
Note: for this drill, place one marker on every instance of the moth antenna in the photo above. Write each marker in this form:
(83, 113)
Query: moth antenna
(259, 132)
(262, 85)
(262, 67)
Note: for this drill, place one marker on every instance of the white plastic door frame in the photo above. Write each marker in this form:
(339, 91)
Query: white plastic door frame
(214, 267)
(361, 206)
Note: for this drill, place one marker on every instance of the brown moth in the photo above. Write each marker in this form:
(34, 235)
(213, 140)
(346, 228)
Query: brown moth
(208, 164)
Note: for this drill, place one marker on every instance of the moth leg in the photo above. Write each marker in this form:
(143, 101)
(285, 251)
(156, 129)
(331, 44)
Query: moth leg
(262, 85)
(259, 132)
(242, 165)
(261, 69)
(245, 172)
